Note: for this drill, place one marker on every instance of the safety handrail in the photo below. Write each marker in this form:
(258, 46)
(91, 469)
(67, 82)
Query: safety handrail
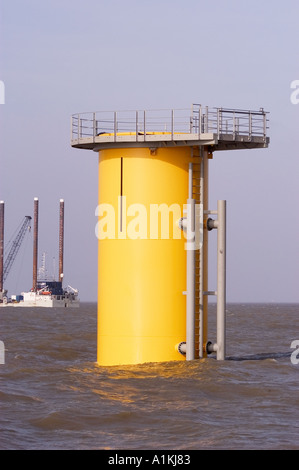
(201, 120)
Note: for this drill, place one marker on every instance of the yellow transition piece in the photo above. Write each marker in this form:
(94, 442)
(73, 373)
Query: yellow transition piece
(141, 269)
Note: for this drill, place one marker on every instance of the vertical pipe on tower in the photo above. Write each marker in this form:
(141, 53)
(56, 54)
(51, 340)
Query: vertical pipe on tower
(205, 249)
(61, 237)
(1, 243)
(35, 244)
(221, 281)
(190, 307)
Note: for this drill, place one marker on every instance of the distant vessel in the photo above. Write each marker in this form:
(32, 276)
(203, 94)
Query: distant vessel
(45, 292)
(48, 294)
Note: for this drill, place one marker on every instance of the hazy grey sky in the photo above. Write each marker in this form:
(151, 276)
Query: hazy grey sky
(62, 57)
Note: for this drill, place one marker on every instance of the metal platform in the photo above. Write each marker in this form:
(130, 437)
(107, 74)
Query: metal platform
(222, 128)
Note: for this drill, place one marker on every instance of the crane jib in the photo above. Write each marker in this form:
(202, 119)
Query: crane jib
(15, 246)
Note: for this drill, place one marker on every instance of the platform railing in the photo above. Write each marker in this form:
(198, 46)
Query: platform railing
(201, 120)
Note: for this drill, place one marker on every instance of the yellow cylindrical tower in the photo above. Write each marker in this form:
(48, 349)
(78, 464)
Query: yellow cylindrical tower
(152, 282)
(141, 255)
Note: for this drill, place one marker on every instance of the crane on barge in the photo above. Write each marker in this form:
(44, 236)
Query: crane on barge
(16, 244)
(44, 293)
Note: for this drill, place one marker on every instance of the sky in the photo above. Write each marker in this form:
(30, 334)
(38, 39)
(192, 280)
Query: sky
(63, 57)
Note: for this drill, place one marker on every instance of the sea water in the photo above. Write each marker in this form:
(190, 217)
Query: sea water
(53, 395)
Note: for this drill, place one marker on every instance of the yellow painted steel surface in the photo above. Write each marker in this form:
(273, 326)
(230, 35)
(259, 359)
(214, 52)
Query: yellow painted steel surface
(141, 278)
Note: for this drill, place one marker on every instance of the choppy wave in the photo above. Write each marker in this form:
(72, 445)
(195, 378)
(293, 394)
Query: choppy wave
(54, 396)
